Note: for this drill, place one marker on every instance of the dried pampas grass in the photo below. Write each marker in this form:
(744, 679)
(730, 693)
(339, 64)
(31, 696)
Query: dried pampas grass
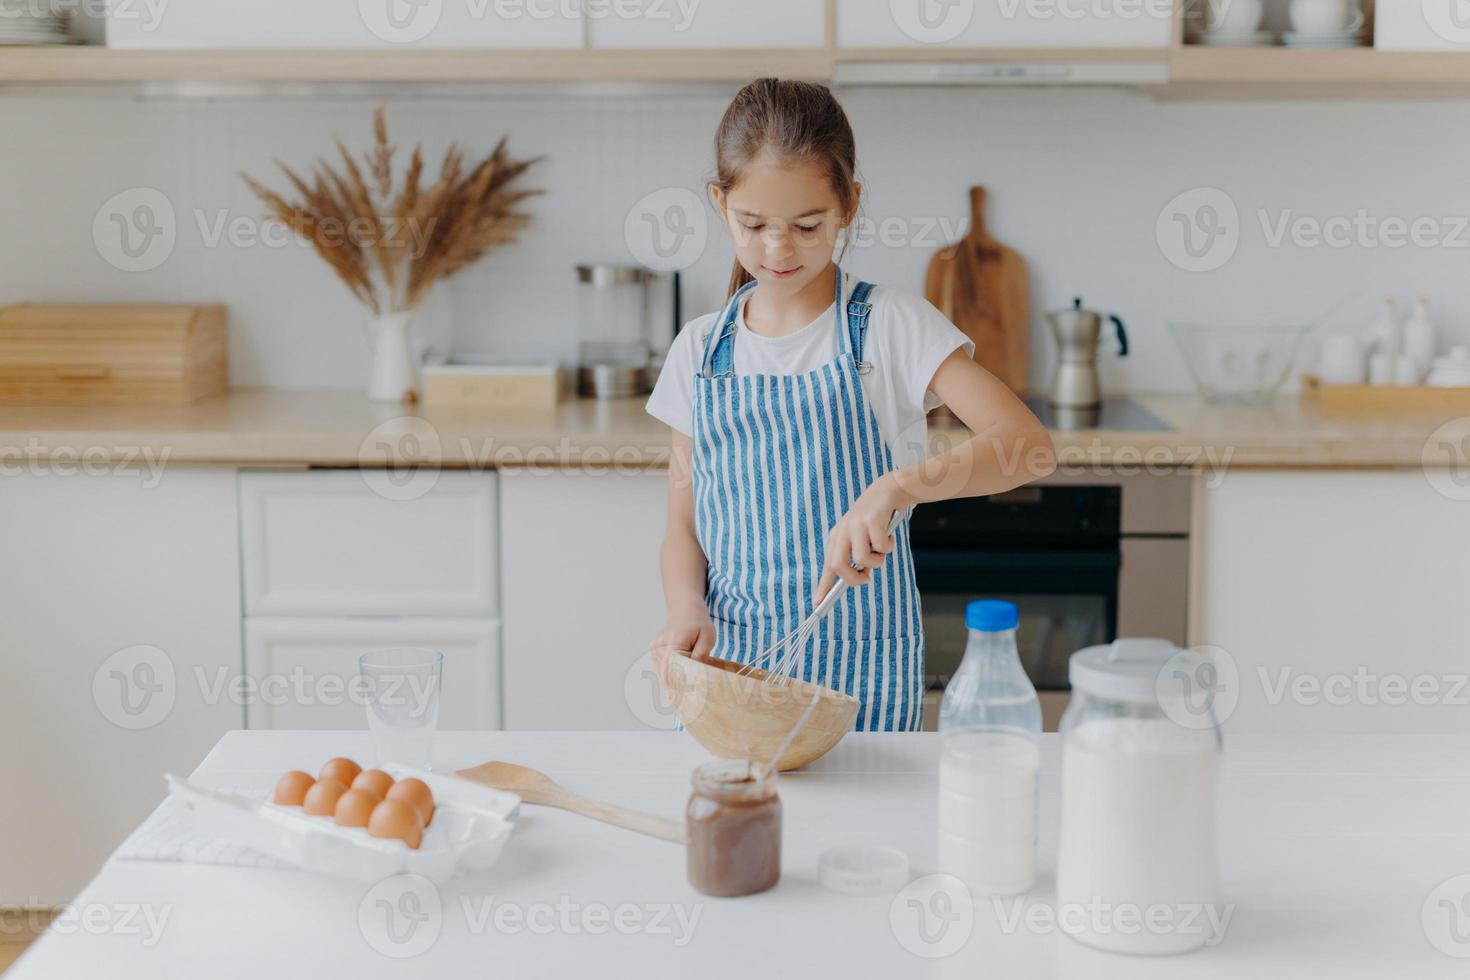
(390, 249)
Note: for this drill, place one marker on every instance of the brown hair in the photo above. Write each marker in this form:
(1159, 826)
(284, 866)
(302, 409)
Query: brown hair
(797, 121)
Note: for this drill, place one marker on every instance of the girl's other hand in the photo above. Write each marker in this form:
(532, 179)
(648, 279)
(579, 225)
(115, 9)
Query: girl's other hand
(860, 542)
(690, 631)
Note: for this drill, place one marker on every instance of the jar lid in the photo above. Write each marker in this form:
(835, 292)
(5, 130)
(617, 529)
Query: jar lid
(863, 869)
(602, 274)
(1128, 669)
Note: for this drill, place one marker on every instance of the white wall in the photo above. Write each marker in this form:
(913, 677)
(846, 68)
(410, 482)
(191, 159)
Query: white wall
(1078, 180)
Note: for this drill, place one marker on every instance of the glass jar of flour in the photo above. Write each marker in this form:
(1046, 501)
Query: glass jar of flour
(1136, 865)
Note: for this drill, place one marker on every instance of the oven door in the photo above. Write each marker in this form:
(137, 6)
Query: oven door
(1068, 599)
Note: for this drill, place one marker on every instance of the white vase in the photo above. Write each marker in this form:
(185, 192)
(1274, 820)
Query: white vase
(395, 375)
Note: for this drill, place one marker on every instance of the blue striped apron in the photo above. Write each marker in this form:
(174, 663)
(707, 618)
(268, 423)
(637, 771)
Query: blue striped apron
(778, 460)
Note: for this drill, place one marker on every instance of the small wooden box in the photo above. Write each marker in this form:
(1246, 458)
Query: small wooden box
(112, 353)
(499, 386)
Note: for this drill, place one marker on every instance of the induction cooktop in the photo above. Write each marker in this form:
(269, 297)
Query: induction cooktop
(1115, 414)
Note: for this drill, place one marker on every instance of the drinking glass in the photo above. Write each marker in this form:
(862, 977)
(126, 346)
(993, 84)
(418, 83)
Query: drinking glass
(401, 687)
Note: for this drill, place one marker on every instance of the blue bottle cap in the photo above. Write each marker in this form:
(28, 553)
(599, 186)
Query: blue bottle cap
(991, 615)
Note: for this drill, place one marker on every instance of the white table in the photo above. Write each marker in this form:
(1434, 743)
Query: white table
(1330, 850)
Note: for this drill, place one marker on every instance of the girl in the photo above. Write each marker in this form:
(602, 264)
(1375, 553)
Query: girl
(798, 417)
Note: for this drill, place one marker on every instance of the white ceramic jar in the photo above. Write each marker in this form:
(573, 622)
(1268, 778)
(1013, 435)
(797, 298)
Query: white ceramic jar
(1136, 863)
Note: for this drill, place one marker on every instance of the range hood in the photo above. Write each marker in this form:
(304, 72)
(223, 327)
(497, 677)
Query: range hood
(1027, 71)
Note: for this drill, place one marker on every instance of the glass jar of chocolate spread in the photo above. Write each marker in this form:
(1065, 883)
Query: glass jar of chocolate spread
(734, 823)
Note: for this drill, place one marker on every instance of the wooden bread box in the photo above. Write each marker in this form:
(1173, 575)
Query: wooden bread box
(112, 353)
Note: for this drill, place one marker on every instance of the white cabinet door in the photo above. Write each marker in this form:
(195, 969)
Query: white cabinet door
(1004, 23)
(707, 24)
(116, 591)
(1338, 599)
(302, 672)
(345, 543)
(582, 598)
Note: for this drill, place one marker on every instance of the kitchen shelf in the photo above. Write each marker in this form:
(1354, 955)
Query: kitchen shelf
(1198, 72)
(91, 65)
(1195, 72)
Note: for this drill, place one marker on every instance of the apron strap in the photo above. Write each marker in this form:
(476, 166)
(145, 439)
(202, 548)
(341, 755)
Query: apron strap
(719, 354)
(858, 309)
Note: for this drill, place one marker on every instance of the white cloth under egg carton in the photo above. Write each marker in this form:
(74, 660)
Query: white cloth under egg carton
(25, 22)
(470, 826)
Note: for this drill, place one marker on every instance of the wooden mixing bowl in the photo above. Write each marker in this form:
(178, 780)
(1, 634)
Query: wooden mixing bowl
(742, 717)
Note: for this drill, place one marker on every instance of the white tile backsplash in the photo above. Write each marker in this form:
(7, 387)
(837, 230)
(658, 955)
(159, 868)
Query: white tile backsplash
(1078, 179)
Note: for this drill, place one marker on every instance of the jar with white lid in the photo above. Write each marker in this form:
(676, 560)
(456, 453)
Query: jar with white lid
(1136, 860)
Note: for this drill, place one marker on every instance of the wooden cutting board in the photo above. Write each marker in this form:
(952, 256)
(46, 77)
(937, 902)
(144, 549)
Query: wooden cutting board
(982, 286)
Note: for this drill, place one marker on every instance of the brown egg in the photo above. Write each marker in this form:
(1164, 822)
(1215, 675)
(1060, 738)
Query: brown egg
(397, 820)
(355, 808)
(414, 792)
(321, 799)
(291, 788)
(376, 781)
(340, 769)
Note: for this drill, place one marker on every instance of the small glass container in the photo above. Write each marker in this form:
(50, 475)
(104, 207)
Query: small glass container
(1136, 853)
(734, 826)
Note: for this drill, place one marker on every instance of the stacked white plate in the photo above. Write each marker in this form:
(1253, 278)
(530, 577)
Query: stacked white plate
(26, 22)
(1339, 39)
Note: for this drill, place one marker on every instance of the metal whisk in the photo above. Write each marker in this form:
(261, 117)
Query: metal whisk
(785, 654)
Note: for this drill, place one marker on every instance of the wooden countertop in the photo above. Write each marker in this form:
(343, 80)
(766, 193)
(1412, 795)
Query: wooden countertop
(342, 428)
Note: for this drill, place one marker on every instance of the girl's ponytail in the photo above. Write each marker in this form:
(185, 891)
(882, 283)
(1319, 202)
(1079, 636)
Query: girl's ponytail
(738, 278)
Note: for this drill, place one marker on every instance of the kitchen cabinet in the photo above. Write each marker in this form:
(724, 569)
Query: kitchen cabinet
(927, 24)
(340, 562)
(302, 672)
(583, 598)
(353, 542)
(1336, 600)
(707, 24)
(119, 591)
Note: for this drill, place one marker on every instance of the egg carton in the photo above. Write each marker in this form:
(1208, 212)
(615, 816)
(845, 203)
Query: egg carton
(470, 826)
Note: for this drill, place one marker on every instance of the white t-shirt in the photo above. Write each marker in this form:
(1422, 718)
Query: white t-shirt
(906, 341)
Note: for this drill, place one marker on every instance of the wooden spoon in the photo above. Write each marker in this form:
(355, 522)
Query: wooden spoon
(537, 787)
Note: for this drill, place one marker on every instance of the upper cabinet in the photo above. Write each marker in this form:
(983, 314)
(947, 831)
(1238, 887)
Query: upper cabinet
(706, 24)
(1004, 23)
(383, 24)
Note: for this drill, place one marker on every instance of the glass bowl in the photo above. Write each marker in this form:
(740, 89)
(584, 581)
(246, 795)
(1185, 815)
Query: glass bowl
(1240, 364)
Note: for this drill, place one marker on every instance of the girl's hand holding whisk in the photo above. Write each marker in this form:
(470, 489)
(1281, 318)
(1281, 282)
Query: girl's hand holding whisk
(861, 541)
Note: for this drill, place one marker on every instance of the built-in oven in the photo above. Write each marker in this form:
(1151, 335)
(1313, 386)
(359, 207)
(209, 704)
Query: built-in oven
(1085, 561)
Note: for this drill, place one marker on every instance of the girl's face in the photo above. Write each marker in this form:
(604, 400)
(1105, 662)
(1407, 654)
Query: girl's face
(785, 219)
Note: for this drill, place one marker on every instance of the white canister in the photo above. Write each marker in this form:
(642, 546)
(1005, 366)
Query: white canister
(1344, 361)
(1136, 860)
(1380, 369)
